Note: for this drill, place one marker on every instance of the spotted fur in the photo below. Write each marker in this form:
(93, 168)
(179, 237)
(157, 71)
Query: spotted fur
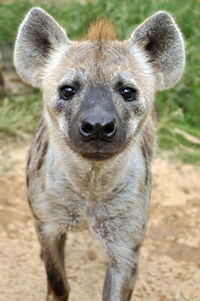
(74, 183)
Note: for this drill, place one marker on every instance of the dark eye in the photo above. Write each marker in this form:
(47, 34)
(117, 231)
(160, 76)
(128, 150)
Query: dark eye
(66, 92)
(129, 94)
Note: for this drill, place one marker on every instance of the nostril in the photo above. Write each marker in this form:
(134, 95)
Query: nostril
(86, 130)
(94, 126)
(109, 130)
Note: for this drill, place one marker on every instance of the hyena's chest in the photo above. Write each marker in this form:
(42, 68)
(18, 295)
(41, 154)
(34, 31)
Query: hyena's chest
(69, 195)
(68, 206)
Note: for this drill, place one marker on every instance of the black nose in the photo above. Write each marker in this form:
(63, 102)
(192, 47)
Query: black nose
(98, 124)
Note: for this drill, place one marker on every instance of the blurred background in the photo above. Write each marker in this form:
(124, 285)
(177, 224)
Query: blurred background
(170, 257)
(178, 108)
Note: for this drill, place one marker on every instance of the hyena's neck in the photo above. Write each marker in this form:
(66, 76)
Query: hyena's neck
(88, 178)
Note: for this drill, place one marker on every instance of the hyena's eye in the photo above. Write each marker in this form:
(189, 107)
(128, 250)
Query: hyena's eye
(66, 92)
(129, 94)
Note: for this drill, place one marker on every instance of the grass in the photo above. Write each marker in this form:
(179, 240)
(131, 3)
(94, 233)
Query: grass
(178, 107)
(19, 114)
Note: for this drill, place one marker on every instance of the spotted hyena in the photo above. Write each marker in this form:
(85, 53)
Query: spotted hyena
(89, 164)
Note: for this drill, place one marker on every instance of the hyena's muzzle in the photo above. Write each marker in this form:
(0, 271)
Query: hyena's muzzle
(97, 131)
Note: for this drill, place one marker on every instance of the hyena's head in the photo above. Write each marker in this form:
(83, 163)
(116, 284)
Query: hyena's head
(98, 91)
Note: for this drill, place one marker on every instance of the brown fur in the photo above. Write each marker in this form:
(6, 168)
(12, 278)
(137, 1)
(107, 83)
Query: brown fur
(102, 30)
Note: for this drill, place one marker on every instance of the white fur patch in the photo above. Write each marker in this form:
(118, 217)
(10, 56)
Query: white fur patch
(55, 58)
(141, 58)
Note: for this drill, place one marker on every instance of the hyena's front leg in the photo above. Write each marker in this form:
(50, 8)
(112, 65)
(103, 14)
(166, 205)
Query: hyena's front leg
(122, 239)
(52, 253)
(120, 279)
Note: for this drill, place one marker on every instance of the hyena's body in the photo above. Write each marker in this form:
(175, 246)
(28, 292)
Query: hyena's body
(90, 160)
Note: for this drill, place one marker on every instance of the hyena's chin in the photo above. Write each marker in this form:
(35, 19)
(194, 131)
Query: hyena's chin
(97, 156)
(97, 150)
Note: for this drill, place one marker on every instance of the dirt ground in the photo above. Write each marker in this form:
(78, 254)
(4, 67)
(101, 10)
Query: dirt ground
(170, 257)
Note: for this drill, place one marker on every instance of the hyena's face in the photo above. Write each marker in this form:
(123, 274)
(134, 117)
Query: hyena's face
(98, 96)
(98, 92)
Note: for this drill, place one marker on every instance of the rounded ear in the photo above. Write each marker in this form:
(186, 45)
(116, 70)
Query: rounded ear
(161, 41)
(38, 36)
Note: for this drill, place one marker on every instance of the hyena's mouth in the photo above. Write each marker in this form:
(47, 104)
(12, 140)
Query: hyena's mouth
(97, 156)
(95, 150)
(98, 150)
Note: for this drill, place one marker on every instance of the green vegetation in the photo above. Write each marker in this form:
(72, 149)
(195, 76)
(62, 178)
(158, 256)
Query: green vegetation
(19, 114)
(178, 108)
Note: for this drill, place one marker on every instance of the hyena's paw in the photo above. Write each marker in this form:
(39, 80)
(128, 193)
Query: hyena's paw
(51, 297)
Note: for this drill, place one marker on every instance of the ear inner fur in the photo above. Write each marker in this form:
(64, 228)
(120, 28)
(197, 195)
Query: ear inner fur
(161, 41)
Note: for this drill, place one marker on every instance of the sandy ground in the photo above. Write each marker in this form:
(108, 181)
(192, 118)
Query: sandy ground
(170, 257)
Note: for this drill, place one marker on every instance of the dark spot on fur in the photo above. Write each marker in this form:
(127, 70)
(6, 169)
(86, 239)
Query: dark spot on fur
(29, 160)
(44, 151)
(39, 143)
(40, 136)
(41, 160)
(147, 146)
(134, 269)
(136, 248)
(102, 226)
(29, 203)
(41, 254)
(31, 207)
(144, 152)
(41, 130)
(130, 294)
(27, 180)
(146, 164)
